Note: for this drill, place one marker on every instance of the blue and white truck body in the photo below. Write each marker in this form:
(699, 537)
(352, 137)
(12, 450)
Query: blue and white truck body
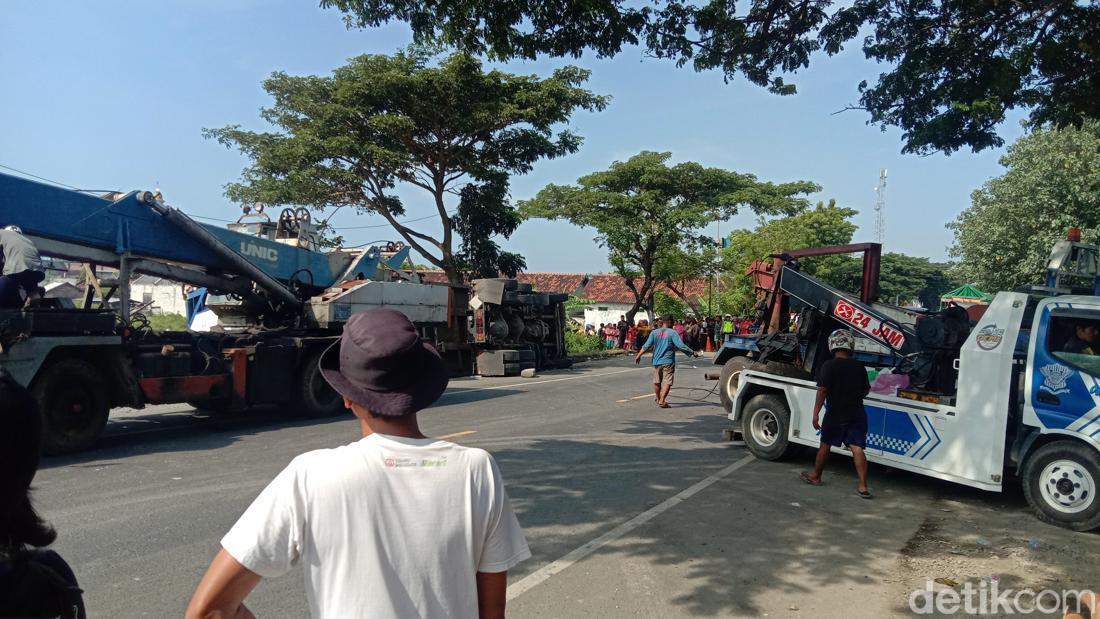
(1023, 409)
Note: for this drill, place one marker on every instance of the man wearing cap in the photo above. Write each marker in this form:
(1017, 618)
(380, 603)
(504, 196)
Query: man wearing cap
(664, 342)
(394, 525)
(841, 386)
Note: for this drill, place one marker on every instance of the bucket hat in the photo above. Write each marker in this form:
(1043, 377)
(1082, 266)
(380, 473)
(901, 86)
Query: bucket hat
(381, 363)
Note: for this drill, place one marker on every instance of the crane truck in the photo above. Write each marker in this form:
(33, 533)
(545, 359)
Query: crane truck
(275, 297)
(1005, 397)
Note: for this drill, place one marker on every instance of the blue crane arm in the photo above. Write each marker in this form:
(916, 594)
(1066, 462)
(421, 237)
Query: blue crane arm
(131, 225)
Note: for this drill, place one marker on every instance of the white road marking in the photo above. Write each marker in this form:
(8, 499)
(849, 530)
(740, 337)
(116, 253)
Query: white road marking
(537, 382)
(637, 397)
(456, 434)
(543, 574)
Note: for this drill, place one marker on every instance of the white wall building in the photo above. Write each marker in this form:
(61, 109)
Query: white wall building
(165, 295)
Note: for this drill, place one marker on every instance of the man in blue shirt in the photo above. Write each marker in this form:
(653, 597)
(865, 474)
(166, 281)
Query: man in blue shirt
(664, 342)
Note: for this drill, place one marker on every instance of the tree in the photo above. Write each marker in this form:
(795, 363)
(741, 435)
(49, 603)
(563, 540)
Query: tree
(956, 66)
(902, 278)
(679, 266)
(826, 224)
(380, 122)
(1052, 183)
(643, 208)
(668, 305)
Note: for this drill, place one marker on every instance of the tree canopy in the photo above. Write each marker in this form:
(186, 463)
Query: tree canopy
(447, 127)
(903, 278)
(643, 208)
(1051, 183)
(955, 67)
(825, 224)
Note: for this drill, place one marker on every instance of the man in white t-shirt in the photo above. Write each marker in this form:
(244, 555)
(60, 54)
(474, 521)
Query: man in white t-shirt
(394, 525)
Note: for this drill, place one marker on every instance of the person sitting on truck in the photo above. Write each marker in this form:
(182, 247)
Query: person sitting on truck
(34, 581)
(665, 342)
(394, 525)
(1084, 340)
(22, 270)
(841, 384)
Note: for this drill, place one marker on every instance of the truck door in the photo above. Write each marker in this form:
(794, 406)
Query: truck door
(1063, 373)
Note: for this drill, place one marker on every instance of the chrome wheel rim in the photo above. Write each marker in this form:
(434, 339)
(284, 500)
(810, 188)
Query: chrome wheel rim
(765, 428)
(1067, 486)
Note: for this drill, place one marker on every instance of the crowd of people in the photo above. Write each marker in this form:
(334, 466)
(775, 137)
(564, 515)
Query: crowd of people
(694, 331)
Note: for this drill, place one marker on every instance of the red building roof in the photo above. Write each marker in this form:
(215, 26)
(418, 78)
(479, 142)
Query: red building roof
(601, 287)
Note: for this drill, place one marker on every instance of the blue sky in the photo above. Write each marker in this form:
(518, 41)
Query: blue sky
(114, 95)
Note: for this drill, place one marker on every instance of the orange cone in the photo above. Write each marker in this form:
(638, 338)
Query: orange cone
(709, 348)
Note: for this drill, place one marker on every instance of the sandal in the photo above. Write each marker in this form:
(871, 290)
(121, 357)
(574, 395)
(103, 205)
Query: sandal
(863, 494)
(804, 476)
(664, 405)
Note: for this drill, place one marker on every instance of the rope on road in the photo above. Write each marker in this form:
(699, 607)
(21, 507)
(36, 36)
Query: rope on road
(709, 392)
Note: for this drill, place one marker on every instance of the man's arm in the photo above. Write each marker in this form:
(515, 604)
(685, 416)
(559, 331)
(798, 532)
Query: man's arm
(645, 347)
(492, 589)
(679, 342)
(223, 588)
(819, 401)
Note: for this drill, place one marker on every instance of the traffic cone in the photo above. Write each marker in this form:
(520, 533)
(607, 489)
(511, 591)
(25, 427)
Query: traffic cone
(710, 348)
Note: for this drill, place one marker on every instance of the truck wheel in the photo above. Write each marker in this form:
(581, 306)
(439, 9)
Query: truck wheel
(780, 368)
(73, 404)
(1061, 481)
(765, 426)
(315, 397)
(727, 381)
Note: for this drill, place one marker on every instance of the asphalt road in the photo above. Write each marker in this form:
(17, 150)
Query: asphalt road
(630, 510)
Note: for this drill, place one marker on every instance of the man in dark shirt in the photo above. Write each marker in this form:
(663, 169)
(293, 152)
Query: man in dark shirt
(1084, 340)
(842, 384)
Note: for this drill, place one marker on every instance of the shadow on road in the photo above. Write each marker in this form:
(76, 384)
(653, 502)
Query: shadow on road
(758, 535)
(196, 430)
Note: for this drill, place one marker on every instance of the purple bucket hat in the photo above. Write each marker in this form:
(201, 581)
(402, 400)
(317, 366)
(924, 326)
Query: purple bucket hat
(382, 364)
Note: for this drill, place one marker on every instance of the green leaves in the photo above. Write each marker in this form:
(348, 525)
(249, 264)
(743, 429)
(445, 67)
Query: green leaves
(1052, 183)
(825, 224)
(443, 125)
(954, 67)
(648, 213)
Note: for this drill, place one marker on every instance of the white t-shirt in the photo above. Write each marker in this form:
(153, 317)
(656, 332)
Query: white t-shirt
(384, 527)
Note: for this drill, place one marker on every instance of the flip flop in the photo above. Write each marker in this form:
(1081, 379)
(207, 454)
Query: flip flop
(863, 494)
(806, 478)
(665, 405)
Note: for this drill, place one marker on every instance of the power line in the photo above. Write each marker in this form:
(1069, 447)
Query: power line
(41, 178)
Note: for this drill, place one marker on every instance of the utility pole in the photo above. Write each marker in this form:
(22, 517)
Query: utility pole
(718, 258)
(880, 208)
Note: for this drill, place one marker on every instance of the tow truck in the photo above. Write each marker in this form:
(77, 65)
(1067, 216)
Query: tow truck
(986, 403)
(278, 299)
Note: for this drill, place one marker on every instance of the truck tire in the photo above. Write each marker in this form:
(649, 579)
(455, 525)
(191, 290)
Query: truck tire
(1060, 481)
(729, 378)
(315, 398)
(74, 405)
(780, 368)
(765, 426)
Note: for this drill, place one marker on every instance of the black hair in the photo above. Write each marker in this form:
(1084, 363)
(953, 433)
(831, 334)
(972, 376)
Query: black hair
(20, 451)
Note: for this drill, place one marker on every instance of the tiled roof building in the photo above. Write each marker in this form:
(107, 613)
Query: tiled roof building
(601, 287)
